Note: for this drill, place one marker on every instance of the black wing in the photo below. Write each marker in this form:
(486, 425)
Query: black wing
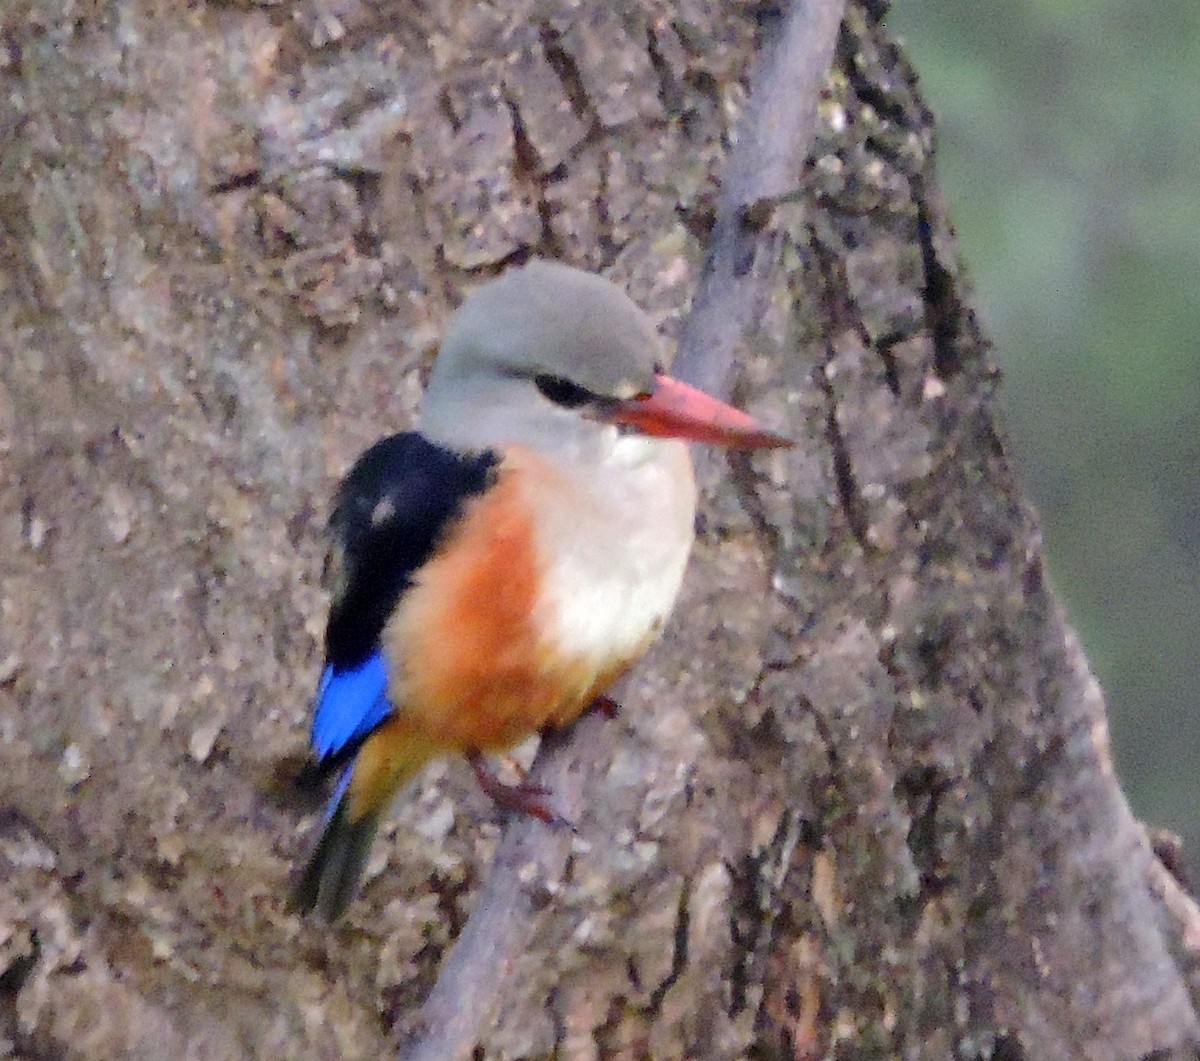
(389, 514)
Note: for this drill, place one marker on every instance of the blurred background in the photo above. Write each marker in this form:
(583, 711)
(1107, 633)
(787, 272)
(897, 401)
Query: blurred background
(1070, 154)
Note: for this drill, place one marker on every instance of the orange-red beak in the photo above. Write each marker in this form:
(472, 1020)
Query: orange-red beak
(676, 410)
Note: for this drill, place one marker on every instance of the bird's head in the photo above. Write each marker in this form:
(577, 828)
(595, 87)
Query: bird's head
(554, 357)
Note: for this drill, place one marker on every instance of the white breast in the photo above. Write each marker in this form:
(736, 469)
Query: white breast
(613, 539)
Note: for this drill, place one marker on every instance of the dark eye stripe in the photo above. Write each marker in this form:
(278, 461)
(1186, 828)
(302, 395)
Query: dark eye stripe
(563, 392)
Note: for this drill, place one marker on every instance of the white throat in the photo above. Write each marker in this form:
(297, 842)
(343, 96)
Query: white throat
(613, 538)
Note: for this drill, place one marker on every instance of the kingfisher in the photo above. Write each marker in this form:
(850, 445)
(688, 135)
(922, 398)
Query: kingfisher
(494, 573)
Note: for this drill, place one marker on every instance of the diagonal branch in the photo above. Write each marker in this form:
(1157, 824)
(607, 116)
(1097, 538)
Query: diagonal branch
(764, 167)
(529, 855)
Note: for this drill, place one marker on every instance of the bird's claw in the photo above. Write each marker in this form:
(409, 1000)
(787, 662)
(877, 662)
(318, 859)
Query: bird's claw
(604, 705)
(525, 797)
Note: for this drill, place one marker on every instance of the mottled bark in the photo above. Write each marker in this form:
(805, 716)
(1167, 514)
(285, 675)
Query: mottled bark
(859, 801)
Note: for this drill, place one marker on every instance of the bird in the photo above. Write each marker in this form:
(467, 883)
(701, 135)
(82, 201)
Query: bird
(492, 574)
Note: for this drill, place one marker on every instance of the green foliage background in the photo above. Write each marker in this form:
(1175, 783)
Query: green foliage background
(1070, 153)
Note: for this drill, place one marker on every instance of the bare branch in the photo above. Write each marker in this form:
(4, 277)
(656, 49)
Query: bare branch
(529, 856)
(764, 167)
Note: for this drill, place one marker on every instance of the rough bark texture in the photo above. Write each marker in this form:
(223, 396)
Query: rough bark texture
(859, 802)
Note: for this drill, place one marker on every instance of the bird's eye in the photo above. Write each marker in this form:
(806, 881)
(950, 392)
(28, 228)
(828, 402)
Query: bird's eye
(563, 392)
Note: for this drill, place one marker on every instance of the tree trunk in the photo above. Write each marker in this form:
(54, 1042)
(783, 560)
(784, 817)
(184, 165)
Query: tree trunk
(858, 802)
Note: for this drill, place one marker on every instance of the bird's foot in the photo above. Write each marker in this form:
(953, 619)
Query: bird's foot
(524, 797)
(604, 705)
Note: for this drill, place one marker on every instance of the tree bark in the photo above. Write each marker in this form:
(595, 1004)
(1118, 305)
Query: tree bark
(859, 801)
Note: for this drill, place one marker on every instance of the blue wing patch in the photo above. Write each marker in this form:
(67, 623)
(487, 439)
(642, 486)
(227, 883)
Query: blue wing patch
(351, 702)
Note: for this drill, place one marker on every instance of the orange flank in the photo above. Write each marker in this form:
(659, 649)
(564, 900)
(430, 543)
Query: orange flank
(473, 670)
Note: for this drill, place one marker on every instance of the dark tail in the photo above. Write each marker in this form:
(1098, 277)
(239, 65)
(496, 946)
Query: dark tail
(386, 760)
(330, 877)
